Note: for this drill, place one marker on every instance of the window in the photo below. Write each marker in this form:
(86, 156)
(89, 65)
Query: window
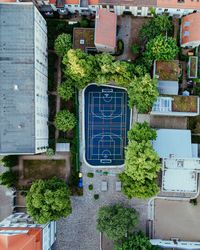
(186, 33)
(76, 5)
(139, 8)
(69, 5)
(180, 1)
(178, 10)
(165, 10)
(104, 6)
(111, 6)
(139, 13)
(186, 24)
(127, 7)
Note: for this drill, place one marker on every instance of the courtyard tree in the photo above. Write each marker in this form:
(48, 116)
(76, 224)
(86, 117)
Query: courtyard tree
(161, 48)
(137, 241)
(141, 161)
(65, 90)
(79, 67)
(116, 221)
(142, 93)
(48, 200)
(65, 120)
(10, 160)
(63, 43)
(8, 179)
(135, 189)
(141, 132)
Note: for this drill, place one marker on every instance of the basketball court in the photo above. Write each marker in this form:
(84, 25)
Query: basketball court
(107, 120)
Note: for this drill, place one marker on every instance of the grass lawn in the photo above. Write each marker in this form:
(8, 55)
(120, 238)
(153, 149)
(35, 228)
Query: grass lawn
(44, 169)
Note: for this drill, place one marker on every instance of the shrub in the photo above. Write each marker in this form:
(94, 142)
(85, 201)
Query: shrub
(96, 196)
(193, 202)
(135, 48)
(8, 179)
(120, 46)
(65, 91)
(90, 187)
(50, 152)
(90, 175)
(84, 23)
(10, 160)
(65, 120)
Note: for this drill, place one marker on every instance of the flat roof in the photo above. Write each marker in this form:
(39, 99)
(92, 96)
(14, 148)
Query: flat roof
(173, 142)
(167, 70)
(83, 38)
(17, 129)
(168, 87)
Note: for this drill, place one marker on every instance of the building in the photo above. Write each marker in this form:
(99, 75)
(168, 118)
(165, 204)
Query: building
(23, 82)
(83, 38)
(135, 7)
(190, 37)
(105, 31)
(18, 231)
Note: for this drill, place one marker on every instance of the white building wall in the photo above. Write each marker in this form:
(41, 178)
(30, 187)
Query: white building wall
(174, 11)
(41, 84)
(49, 235)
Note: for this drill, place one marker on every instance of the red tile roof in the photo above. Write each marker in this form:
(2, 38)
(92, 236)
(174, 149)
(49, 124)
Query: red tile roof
(190, 28)
(185, 4)
(105, 28)
(7, 1)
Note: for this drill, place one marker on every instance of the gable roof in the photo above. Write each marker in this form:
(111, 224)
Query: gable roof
(190, 28)
(139, 3)
(184, 4)
(106, 28)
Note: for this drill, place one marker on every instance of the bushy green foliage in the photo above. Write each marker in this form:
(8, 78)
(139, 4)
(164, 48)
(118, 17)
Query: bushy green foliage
(161, 48)
(48, 200)
(50, 152)
(65, 120)
(96, 196)
(90, 187)
(116, 221)
(141, 132)
(90, 175)
(137, 241)
(10, 160)
(63, 43)
(135, 189)
(65, 90)
(8, 179)
(158, 25)
(84, 23)
(135, 48)
(142, 93)
(141, 163)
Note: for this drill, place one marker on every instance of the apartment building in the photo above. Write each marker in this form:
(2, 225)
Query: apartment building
(134, 7)
(23, 81)
(18, 231)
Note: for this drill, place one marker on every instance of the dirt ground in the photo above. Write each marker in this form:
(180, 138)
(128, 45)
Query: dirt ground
(168, 122)
(129, 28)
(176, 219)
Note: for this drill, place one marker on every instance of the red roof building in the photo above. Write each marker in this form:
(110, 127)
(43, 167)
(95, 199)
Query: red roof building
(190, 34)
(105, 31)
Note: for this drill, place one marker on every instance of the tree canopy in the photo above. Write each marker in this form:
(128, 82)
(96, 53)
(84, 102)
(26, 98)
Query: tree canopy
(116, 221)
(8, 178)
(10, 160)
(158, 25)
(142, 93)
(137, 241)
(65, 120)
(141, 163)
(62, 44)
(48, 200)
(65, 90)
(161, 48)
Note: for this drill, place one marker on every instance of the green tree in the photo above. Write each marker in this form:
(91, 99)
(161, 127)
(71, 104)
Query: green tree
(10, 160)
(8, 179)
(50, 152)
(84, 23)
(79, 67)
(142, 92)
(65, 91)
(116, 221)
(137, 241)
(63, 43)
(141, 161)
(48, 200)
(65, 120)
(135, 189)
(141, 132)
(161, 48)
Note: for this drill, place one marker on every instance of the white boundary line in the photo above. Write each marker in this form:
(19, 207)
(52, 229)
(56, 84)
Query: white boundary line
(83, 125)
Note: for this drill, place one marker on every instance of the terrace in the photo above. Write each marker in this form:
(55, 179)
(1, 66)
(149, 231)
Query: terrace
(83, 38)
(175, 105)
(167, 70)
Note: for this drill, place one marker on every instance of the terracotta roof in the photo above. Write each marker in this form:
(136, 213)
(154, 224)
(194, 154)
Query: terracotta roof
(190, 28)
(61, 3)
(93, 2)
(105, 28)
(25, 241)
(130, 2)
(185, 4)
(72, 1)
(7, 1)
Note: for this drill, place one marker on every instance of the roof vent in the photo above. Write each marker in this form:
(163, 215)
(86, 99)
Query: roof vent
(16, 87)
(82, 41)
